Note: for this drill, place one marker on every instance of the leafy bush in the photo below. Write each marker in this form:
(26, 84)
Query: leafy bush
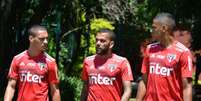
(70, 89)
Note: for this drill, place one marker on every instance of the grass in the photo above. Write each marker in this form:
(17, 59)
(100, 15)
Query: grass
(132, 99)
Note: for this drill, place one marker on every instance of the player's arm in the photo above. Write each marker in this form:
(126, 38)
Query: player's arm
(186, 72)
(141, 90)
(12, 81)
(127, 90)
(127, 77)
(55, 93)
(10, 90)
(53, 80)
(84, 77)
(84, 92)
(142, 84)
(187, 89)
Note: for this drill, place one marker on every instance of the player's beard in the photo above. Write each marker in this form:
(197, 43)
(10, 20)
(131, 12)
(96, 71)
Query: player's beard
(156, 35)
(102, 51)
(162, 37)
(44, 47)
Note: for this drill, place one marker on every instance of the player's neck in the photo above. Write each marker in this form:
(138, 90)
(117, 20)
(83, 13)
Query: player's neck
(166, 41)
(33, 53)
(105, 56)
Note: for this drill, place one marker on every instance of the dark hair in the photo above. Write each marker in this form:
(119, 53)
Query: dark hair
(183, 27)
(110, 32)
(166, 19)
(33, 30)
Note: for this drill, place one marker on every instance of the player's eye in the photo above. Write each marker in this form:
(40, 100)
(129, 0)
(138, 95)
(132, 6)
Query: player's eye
(42, 39)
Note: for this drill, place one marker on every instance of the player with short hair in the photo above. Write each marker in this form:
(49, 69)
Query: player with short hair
(106, 76)
(167, 65)
(33, 71)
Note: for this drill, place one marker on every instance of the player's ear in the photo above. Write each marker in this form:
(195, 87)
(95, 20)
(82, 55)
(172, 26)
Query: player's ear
(30, 37)
(163, 28)
(111, 44)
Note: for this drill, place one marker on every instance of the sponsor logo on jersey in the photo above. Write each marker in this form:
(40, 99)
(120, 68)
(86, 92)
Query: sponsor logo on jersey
(30, 77)
(155, 68)
(112, 67)
(171, 57)
(22, 64)
(101, 80)
(31, 64)
(158, 56)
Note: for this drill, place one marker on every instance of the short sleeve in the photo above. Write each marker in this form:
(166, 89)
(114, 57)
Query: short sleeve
(13, 72)
(186, 64)
(145, 61)
(126, 71)
(145, 64)
(53, 73)
(84, 74)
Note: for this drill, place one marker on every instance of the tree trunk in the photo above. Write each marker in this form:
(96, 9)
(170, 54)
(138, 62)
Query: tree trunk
(5, 35)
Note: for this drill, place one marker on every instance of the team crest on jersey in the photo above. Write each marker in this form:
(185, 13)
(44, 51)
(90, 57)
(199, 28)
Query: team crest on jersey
(171, 57)
(41, 65)
(112, 67)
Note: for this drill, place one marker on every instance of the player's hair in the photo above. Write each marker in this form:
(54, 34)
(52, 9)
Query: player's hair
(183, 27)
(110, 32)
(166, 19)
(33, 30)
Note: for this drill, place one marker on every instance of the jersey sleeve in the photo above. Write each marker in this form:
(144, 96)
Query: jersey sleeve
(53, 73)
(145, 62)
(13, 72)
(84, 74)
(126, 71)
(186, 64)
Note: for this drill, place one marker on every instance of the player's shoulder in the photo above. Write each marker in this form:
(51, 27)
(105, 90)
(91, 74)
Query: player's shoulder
(153, 45)
(90, 58)
(118, 58)
(48, 57)
(180, 47)
(20, 55)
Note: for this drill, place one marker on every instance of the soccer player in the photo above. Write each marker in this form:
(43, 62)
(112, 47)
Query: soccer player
(106, 76)
(183, 34)
(167, 65)
(33, 71)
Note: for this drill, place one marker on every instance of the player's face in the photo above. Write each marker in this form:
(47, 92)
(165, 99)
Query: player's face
(103, 43)
(177, 34)
(156, 31)
(187, 36)
(40, 41)
(183, 36)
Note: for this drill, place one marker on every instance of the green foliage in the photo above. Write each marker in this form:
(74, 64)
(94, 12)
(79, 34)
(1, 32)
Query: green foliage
(70, 88)
(142, 15)
(97, 24)
(51, 47)
(78, 65)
